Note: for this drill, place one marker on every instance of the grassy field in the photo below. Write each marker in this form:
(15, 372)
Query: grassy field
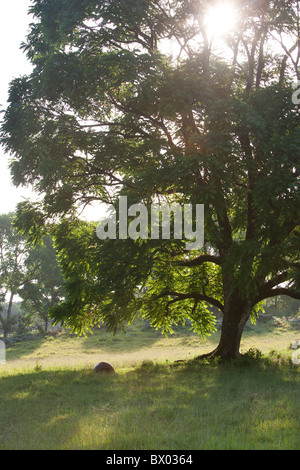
(51, 399)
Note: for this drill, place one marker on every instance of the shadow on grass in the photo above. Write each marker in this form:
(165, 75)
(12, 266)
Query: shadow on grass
(19, 349)
(123, 341)
(137, 337)
(99, 340)
(180, 406)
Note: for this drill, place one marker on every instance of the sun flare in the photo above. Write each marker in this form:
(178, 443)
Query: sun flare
(220, 19)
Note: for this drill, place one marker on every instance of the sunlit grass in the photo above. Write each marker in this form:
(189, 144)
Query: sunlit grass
(51, 399)
(138, 344)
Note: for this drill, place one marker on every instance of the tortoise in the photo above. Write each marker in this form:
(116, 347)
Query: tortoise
(103, 367)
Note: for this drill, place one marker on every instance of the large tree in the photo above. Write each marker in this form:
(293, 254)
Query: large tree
(138, 98)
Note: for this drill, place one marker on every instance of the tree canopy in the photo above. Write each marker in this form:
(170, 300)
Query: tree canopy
(138, 98)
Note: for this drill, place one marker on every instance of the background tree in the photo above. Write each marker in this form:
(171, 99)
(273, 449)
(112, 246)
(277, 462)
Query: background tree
(14, 271)
(45, 289)
(138, 98)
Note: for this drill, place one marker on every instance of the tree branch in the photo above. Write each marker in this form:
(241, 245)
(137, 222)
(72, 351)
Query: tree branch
(157, 122)
(276, 281)
(279, 291)
(200, 260)
(193, 295)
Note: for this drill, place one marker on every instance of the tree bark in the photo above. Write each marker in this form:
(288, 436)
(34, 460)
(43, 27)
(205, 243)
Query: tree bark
(230, 340)
(46, 324)
(234, 321)
(6, 325)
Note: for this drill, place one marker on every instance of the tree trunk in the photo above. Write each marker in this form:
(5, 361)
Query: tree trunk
(234, 321)
(231, 334)
(46, 324)
(7, 324)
